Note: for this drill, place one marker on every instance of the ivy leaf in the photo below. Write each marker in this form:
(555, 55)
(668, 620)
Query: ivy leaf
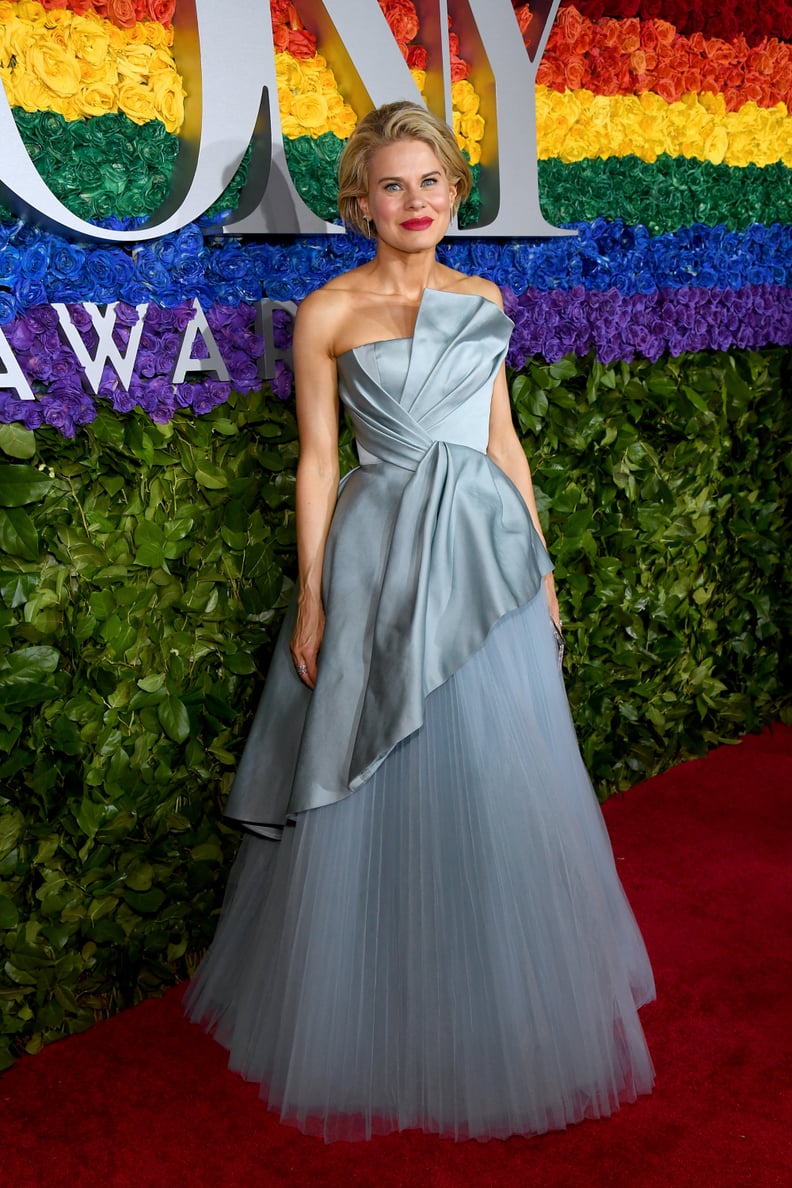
(17, 441)
(22, 484)
(18, 535)
(9, 915)
(173, 716)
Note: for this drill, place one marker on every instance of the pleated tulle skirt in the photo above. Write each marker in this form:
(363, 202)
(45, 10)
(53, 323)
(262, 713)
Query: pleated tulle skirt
(450, 947)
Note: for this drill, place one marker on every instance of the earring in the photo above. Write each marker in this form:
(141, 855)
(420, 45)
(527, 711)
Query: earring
(368, 226)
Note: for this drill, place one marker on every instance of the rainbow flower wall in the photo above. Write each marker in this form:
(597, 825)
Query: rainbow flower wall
(665, 143)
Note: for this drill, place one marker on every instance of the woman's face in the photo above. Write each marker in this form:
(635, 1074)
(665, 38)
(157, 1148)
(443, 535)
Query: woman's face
(409, 197)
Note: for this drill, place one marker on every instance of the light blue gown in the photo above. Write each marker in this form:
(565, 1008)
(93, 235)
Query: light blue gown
(431, 931)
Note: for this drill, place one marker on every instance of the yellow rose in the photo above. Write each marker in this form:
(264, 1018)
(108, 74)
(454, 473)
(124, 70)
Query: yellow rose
(28, 92)
(17, 38)
(310, 112)
(152, 33)
(69, 107)
(105, 72)
(88, 39)
(419, 78)
(135, 63)
(287, 71)
(464, 97)
(168, 92)
(96, 99)
(474, 152)
(290, 128)
(30, 11)
(344, 125)
(472, 127)
(715, 145)
(136, 101)
(57, 69)
(326, 82)
(284, 101)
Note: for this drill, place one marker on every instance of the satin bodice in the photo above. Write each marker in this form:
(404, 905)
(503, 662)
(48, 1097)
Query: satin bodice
(402, 394)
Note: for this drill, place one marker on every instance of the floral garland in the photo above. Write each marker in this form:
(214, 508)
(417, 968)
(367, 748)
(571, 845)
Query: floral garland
(611, 57)
(52, 369)
(82, 66)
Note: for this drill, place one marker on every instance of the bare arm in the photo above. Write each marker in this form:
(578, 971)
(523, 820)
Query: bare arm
(505, 450)
(317, 476)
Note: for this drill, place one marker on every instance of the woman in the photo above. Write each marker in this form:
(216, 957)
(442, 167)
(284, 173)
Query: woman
(439, 938)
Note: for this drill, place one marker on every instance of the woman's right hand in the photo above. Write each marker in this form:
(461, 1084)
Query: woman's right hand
(306, 639)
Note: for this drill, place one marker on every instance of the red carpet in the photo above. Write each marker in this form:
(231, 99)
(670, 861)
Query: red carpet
(705, 853)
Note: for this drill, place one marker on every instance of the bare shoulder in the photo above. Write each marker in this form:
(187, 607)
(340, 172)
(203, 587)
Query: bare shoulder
(325, 311)
(479, 286)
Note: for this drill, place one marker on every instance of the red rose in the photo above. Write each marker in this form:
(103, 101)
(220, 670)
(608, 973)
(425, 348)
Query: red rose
(280, 12)
(524, 17)
(417, 57)
(280, 37)
(459, 69)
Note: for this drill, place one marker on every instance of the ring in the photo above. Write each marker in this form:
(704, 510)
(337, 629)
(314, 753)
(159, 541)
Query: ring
(301, 669)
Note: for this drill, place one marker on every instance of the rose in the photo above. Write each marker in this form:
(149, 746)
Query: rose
(301, 43)
(161, 10)
(53, 66)
(417, 57)
(136, 102)
(402, 19)
(120, 12)
(8, 307)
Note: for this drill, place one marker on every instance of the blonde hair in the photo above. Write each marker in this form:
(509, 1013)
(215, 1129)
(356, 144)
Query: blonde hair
(386, 125)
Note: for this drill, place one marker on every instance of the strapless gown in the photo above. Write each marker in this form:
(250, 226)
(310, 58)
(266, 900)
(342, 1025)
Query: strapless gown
(424, 926)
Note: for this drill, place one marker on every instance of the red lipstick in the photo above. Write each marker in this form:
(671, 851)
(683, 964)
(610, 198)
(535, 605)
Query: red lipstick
(417, 224)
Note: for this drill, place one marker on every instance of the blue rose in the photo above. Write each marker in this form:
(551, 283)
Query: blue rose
(8, 307)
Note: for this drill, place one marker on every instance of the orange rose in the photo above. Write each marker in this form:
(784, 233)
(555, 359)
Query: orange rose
(460, 69)
(665, 31)
(576, 30)
(669, 88)
(302, 44)
(402, 19)
(575, 71)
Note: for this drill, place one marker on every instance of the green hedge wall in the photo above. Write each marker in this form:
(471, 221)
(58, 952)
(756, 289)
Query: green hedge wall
(144, 569)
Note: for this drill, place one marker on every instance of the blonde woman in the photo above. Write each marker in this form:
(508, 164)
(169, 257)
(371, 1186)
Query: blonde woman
(425, 927)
